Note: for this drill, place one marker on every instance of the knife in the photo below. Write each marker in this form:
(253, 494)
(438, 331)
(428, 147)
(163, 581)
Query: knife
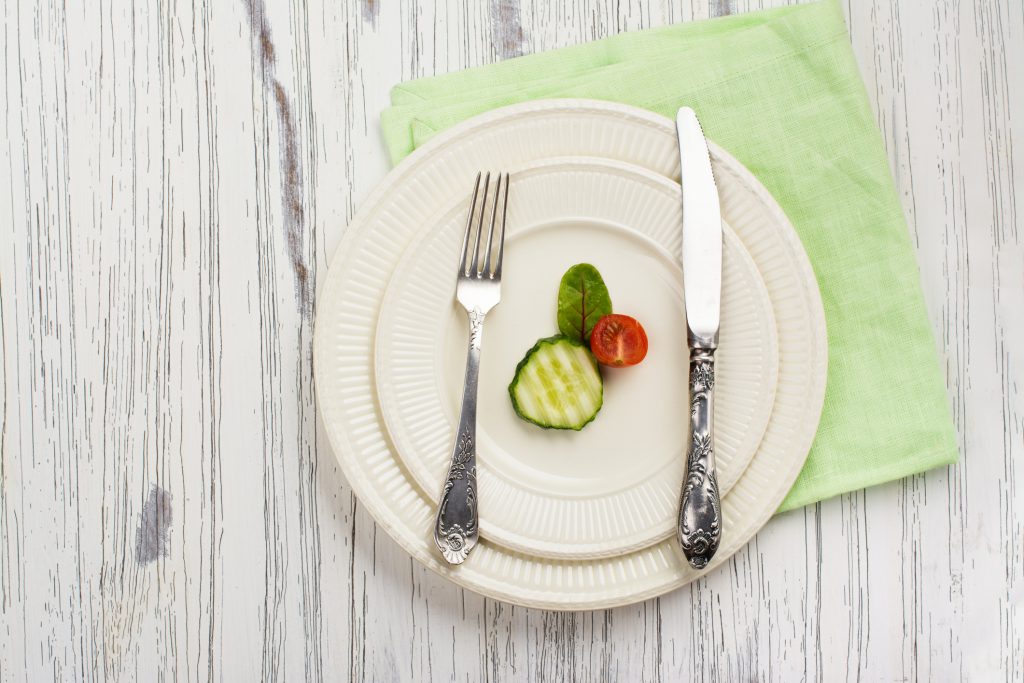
(699, 527)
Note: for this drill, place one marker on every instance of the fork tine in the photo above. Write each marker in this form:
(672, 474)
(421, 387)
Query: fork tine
(463, 268)
(501, 241)
(490, 229)
(474, 267)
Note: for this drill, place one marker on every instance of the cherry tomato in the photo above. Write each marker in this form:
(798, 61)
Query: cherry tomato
(618, 340)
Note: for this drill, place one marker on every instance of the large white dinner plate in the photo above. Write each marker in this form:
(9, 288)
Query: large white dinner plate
(614, 486)
(402, 205)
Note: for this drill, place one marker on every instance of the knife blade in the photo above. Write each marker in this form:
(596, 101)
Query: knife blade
(699, 526)
(702, 230)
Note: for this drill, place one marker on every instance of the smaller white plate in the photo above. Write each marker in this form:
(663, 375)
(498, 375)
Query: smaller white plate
(614, 486)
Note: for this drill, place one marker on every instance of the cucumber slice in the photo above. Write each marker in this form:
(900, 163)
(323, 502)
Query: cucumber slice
(557, 385)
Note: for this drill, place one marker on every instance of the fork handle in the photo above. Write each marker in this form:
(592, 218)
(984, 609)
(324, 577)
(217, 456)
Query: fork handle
(700, 510)
(456, 529)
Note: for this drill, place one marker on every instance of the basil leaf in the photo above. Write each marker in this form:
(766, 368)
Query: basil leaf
(582, 301)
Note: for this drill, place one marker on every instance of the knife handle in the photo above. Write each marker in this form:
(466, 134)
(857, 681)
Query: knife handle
(700, 509)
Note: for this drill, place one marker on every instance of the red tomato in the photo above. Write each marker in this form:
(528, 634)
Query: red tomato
(618, 341)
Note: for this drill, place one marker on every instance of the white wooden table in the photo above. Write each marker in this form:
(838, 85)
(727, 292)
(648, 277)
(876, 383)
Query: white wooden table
(175, 178)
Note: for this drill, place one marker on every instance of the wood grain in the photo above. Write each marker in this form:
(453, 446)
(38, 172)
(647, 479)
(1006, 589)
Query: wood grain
(176, 176)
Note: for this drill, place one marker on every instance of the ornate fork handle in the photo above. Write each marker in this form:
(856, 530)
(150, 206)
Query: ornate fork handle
(700, 509)
(456, 528)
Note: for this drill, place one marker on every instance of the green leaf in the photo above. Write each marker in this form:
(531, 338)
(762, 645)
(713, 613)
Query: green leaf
(582, 301)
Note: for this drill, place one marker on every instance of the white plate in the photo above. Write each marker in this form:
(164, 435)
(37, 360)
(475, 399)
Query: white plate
(418, 189)
(613, 487)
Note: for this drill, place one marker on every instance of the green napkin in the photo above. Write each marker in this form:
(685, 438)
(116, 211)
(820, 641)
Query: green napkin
(780, 90)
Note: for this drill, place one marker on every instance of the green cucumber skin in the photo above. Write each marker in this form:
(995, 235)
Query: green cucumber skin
(548, 341)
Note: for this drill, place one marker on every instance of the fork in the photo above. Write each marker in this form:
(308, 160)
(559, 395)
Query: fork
(478, 289)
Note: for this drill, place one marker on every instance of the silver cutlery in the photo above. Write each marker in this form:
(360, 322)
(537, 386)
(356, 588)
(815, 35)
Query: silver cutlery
(699, 528)
(478, 289)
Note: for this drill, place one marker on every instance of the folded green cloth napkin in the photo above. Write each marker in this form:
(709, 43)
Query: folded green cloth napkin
(780, 90)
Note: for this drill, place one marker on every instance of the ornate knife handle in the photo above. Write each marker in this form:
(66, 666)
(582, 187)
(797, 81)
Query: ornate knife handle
(700, 509)
(456, 529)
